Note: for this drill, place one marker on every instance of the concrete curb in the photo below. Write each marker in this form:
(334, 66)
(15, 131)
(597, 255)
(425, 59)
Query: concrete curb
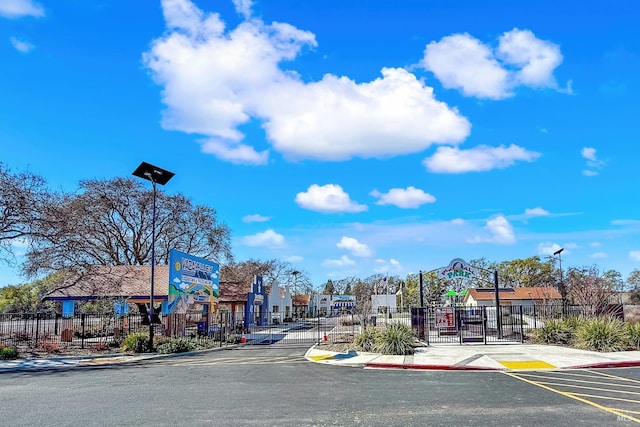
(41, 363)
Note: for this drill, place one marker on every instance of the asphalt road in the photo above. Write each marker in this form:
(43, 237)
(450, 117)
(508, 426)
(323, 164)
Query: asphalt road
(275, 386)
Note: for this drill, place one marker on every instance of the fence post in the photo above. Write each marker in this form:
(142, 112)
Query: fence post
(82, 329)
(535, 317)
(37, 327)
(425, 323)
(484, 324)
(521, 326)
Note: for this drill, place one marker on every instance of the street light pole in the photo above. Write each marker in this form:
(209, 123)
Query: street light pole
(562, 289)
(157, 176)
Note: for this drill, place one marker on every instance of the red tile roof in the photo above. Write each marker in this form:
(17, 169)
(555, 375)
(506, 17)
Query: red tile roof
(133, 281)
(534, 293)
(115, 281)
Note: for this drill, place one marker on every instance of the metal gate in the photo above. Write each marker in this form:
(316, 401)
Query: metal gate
(468, 324)
(302, 331)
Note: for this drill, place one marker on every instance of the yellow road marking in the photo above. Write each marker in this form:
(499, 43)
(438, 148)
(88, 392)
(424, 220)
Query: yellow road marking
(616, 377)
(573, 396)
(526, 364)
(590, 388)
(576, 381)
(620, 399)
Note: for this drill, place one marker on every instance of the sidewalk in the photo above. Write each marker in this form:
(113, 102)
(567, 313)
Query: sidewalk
(492, 357)
(21, 365)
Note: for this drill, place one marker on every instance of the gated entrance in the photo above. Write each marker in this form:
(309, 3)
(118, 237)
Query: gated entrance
(304, 331)
(457, 324)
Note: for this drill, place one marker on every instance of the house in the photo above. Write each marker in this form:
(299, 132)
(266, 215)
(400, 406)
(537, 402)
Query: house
(485, 297)
(279, 303)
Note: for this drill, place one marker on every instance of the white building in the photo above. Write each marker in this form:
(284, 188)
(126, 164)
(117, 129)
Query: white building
(383, 304)
(280, 304)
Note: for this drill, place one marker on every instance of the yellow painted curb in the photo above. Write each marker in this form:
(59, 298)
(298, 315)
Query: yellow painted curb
(527, 364)
(321, 357)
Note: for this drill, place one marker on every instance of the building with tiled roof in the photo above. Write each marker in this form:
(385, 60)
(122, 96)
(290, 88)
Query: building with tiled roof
(477, 297)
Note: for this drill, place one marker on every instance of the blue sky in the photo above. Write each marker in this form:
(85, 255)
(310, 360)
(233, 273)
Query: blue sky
(347, 137)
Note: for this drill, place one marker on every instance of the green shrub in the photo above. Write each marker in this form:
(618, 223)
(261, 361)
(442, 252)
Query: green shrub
(602, 334)
(395, 338)
(7, 353)
(633, 335)
(556, 331)
(177, 345)
(366, 341)
(136, 342)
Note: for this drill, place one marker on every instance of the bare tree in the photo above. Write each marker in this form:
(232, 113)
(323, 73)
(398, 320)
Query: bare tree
(23, 196)
(110, 223)
(587, 288)
(274, 273)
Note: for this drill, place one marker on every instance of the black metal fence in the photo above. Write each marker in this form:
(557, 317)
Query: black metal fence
(51, 333)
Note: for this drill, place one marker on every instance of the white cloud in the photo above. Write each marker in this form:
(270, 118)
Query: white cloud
(384, 266)
(480, 158)
(594, 164)
(408, 198)
(329, 198)
(234, 153)
(21, 45)
(267, 239)
(243, 7)
(255, 218)
(20, 8)
(354, 247)
(548, 248)
(635, 255)
(458, 221)
(538, 211)
(463, 62)
(294, 258)
(595, 244)
(599, 255)
(589, 153)
(215, 80)
(498, 230)
(536, 58)
(344, 261)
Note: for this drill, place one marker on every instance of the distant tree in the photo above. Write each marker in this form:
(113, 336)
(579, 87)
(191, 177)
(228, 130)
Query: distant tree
(29, 297)
(329, 289)
(347, 289)
(588, 288)
(633, 284)
(110, 223)
(24, 199)
(274, 272)
(528, 272)
(411, 290)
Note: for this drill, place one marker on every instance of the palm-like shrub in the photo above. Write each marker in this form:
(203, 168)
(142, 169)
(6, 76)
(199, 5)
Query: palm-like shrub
(602, 334)
(366, 341)
(395, 338)
(633, 335)
(556, 331)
